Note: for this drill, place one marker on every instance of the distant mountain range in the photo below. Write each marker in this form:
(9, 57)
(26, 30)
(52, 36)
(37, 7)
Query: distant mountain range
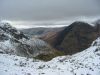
(40, 31)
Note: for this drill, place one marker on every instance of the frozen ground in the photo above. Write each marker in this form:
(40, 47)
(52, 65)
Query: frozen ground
(83, 63)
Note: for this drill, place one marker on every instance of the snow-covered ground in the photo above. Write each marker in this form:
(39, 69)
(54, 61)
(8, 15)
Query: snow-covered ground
(83, 63)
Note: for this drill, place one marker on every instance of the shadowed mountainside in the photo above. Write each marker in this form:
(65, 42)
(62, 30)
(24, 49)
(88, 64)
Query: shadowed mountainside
(74, 38)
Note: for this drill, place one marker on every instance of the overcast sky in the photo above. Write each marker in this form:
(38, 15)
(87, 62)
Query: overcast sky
(47, 10)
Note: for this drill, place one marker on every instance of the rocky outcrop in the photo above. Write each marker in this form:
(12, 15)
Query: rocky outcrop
(74, 38)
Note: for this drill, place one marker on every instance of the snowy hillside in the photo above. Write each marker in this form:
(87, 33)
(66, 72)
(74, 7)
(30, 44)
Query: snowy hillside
(14, 42)
(8, 36)
(83, 63)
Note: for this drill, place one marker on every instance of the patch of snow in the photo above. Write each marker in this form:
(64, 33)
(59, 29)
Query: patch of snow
(86, 62)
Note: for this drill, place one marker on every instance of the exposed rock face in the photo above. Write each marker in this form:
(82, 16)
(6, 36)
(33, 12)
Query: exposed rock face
(74, 38)
(7, 28)
(8, 36)
(13, 41)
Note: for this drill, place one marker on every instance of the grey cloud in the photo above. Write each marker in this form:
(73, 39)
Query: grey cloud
(42, 10)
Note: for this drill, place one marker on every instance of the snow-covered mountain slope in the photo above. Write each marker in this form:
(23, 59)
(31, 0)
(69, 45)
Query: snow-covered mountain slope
(86, 62)
(8, 36)
(12, 41)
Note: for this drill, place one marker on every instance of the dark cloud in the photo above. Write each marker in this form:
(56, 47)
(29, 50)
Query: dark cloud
(41, 10)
